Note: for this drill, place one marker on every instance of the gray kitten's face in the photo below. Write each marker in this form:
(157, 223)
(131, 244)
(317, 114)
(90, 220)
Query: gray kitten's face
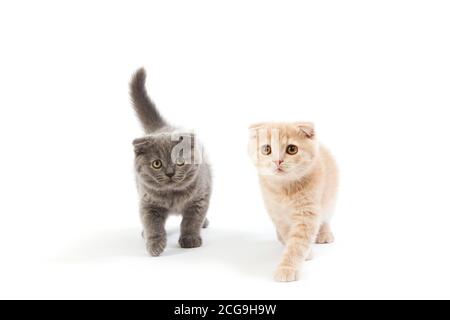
(159, 167)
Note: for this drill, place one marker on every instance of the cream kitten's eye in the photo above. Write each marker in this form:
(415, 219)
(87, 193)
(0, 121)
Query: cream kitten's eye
(180, 162)
(266, 150)
(291, 149)
(157, 164)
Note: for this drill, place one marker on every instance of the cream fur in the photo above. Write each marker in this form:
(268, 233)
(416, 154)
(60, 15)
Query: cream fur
(299, 193)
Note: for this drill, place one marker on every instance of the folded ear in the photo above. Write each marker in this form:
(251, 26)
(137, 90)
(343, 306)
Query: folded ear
(140, 145)
(189, 140)
(306, 129)
(258, 125)
(254, 129)
(187, 147)
(185, 138)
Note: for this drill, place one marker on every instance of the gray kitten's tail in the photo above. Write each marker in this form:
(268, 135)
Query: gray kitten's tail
(145, 109)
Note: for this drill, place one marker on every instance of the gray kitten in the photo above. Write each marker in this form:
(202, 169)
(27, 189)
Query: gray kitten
(168, 178)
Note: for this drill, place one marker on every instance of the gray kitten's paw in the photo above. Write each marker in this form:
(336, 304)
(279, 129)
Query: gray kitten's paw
(156, 247)
(190, 241)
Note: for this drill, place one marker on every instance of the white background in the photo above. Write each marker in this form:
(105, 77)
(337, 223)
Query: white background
(373, 75)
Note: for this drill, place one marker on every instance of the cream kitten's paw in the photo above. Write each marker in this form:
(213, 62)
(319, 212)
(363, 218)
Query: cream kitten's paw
(310, 256)
(325, 237)
(156, 247)
(286, 274)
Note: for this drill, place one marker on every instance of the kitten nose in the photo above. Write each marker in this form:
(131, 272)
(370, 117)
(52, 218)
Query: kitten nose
(170, 173)
(279, 162)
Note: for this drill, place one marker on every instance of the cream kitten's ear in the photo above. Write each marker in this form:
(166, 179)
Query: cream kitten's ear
(253, 129)
(258, 125)
(306, 129)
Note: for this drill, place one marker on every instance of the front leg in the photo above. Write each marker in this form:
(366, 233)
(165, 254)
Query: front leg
(194, 218)
(282, 231)
(154, 220)
(298, 244)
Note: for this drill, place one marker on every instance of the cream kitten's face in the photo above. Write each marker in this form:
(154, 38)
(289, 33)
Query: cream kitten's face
(283, 150)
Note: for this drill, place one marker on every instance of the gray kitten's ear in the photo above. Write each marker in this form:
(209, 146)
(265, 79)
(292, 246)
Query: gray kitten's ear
(185, 136)
(190, 138)
(306, 129)
(187, 139)
(140, 145)
(186, 146)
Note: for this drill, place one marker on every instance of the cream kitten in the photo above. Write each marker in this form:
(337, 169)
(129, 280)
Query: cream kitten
(299, 179)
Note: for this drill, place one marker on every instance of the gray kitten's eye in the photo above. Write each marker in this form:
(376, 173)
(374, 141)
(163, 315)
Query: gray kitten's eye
(180, 162)
(157, 164)
(266, 150)
(292, 149)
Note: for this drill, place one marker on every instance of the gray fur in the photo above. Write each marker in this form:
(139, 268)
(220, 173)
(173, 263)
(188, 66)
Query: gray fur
(145, 109)
(181, 189)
